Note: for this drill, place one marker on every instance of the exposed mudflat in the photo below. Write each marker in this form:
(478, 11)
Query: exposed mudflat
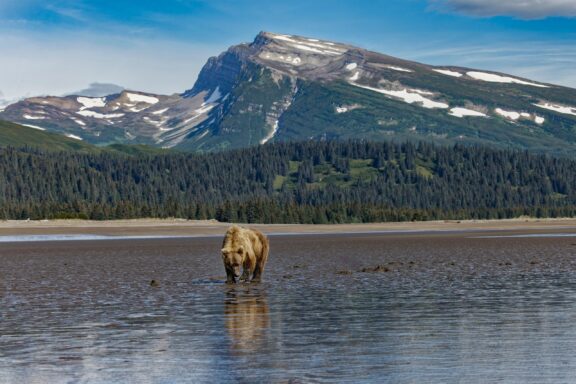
(179, 227)
(460, 306)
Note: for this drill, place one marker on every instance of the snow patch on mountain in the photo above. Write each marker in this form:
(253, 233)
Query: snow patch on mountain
(539, 120)
(191, 119)
(448, 72)
(347, 108)
(355, 77)
(79, 122)
(351, 66)
(308, 45)
(138, 98)
(91, 102)
(493, 78)
(73, 136)
(398, 69)
(281, 58)
(315, 50)
(271, 134)
(511, 115)
(160, 111)
(30, 117)
(463, 112)
(425, 93)
(97, 115)
(215, 96)
(408, 96)
(154, 122)
(283, 38)
(34, 126)
(514, 116)
(558, 108)
(137, 110)
(204, 109)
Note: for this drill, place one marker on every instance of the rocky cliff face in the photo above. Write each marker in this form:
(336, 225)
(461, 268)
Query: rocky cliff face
(284, 87)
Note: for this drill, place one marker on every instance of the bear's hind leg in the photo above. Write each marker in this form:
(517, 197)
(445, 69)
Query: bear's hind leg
(258, 271)
(257, 274)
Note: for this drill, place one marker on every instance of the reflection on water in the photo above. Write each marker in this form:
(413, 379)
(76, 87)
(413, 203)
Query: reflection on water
(42, 238)
(246, 318)
(428, 309)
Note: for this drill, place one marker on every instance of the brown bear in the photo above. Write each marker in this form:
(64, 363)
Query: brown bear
(247, 248)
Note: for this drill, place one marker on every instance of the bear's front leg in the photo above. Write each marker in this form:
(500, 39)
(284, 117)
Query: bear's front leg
(248, 269)
(230, 279)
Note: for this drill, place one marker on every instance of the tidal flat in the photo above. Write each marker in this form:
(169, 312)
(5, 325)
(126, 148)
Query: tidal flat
(429, 306)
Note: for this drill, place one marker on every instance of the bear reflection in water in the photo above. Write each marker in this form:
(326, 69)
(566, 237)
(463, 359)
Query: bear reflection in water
(247, 319)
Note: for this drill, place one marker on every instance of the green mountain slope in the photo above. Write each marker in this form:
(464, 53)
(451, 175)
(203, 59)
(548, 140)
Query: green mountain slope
(375, 118)
(16, 135)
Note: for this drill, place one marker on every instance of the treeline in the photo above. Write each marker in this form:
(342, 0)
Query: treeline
(306, 182)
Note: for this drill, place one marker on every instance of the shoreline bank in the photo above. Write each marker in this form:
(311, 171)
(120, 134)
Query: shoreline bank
(193, 228)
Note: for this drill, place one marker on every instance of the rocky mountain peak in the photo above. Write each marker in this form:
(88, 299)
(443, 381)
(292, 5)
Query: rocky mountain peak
(301, 56)
(287, 87)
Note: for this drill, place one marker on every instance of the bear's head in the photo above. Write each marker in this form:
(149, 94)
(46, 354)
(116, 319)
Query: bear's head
(234, 258)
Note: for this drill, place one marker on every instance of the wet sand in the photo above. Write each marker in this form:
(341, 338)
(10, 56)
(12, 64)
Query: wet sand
(433, 306)
(427, 254)
(177, 227)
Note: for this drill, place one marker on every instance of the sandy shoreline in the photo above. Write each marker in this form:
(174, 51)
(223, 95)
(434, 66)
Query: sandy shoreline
(176, 227)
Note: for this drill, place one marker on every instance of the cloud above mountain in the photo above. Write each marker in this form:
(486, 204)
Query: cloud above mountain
(99, 90)
(523, 9)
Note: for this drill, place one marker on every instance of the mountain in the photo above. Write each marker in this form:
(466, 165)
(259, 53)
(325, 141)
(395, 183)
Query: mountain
(283, 88)
(19, 136)
(16, 135)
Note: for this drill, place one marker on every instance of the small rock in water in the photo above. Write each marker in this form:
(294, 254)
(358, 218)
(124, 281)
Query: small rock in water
(154, 283)
(379, 268)
(344, 272)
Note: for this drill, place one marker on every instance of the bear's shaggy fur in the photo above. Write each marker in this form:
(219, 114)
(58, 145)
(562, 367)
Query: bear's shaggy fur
(247, 248)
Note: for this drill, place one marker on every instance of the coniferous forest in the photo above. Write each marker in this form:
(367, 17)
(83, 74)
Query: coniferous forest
(306, 182)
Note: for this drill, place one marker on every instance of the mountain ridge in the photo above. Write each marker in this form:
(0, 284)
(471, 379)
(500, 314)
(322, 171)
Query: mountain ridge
(288, 87)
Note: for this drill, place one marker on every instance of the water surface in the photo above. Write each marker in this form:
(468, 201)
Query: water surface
(351, 308)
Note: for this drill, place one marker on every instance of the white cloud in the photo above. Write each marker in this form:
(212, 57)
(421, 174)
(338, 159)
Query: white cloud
(523, 9)
(98, 90)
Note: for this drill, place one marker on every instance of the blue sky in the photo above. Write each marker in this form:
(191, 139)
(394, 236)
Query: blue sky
(59, 46)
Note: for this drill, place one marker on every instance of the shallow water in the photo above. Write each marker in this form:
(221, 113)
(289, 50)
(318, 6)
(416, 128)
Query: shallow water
(440, 308)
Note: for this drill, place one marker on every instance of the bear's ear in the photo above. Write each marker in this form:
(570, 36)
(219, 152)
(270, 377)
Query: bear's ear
(224, 251)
